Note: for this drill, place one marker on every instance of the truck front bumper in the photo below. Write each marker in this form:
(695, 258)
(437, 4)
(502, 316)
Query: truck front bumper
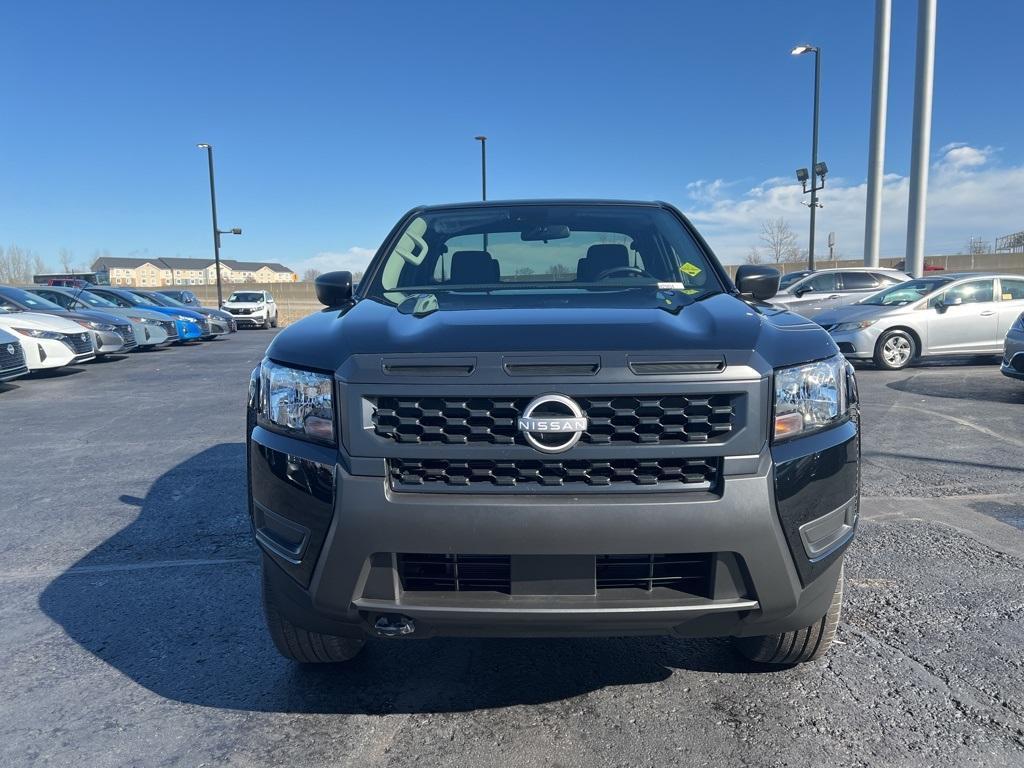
(773, 532)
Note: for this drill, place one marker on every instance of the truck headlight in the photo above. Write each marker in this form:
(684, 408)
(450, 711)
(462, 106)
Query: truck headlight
(860, 326)
(810, 397)
(297, 402)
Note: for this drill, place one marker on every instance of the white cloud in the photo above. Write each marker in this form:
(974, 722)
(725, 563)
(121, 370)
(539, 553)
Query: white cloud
(354, 259)
(968, 196)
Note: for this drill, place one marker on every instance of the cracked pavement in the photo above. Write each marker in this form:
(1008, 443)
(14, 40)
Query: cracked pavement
(131, 633)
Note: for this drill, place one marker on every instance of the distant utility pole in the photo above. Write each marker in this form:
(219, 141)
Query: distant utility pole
(216, 232)
(483, 166)
(876, 151)
(832, 248)
(921, 148)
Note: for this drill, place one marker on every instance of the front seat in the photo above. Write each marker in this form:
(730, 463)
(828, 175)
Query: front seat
(474, 268)
(600, 258)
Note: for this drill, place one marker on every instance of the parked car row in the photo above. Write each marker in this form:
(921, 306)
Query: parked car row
(947, 314)
(52, 326)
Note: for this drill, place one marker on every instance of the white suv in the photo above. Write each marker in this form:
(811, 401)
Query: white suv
(252, 308)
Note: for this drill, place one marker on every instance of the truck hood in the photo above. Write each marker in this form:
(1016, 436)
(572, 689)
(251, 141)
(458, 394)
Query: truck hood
(717, 324)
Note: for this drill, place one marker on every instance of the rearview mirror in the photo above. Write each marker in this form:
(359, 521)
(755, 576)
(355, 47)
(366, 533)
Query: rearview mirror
(757, 282)
(334, 289)
(545, 233)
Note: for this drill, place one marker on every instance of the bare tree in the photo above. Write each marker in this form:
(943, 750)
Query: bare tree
(754, 256)
(17, 265)
(780, 241)
(310, 275)
(65, 258)
(558, 271)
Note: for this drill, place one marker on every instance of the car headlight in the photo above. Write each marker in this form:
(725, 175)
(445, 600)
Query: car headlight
(144, 320)
(186, 319)
(859, 326)
(811, 397)
(37, 334)
(297, 402)
(96, 326)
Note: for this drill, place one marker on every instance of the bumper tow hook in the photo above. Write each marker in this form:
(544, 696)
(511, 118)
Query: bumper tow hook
(393, 625)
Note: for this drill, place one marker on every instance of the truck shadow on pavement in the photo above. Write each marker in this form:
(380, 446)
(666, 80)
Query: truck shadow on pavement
(957, 386)
(172, 603)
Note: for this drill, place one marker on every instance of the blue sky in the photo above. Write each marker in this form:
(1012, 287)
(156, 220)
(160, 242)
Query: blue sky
(331, 119)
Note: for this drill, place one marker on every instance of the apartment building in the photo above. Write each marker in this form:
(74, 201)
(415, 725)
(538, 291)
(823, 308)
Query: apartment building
(154, 273)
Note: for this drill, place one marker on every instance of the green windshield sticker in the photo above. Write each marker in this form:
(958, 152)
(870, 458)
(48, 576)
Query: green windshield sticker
(691, 291)
(690, 269)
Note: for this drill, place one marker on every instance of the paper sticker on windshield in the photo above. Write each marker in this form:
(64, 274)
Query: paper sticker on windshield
(690, 269)
(691, 291)
(671, 286)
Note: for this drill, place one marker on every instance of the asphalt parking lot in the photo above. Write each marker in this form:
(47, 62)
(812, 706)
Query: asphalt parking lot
(131, 634)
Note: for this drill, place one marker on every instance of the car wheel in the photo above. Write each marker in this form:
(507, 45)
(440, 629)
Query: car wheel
(300, 644)
(895, 350)
(266, 323)
(800, 645)
(273, 323)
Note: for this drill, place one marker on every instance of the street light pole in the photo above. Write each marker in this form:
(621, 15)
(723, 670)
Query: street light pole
(217, 232)
(799, 51)
(483, 166)
(924, 75)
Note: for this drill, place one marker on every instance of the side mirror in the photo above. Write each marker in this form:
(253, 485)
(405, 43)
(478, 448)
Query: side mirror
(802, 290)
(757, 282)
(334, 289)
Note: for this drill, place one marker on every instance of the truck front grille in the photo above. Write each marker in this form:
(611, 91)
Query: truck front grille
(455, 573)
(648, 420)
(690, 573)
(689, 474)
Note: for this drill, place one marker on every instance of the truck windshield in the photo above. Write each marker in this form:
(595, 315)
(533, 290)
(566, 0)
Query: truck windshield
(513, 255)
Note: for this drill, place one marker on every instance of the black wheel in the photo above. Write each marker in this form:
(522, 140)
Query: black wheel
(300, 644)
(895, 350)
(266, 323)
(800, 645)
(273, 323)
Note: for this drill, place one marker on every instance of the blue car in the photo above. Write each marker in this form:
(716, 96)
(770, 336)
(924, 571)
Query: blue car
(189, 325)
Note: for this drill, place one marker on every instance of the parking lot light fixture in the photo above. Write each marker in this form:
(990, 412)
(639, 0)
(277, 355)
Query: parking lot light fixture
(800, 50)
(217, 232)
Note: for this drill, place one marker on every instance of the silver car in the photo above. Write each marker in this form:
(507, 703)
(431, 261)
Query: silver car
(1013, 350)
(955, 314)
(830, 288)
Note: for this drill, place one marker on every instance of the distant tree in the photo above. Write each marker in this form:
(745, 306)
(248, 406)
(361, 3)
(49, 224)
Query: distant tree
(524, 272)
(66, 259)
(357, 276)
(558, 271)
(754, 256)
(310, 275)
(780, 241)
(17, 265)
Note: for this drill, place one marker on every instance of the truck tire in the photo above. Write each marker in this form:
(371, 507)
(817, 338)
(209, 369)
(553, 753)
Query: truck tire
(800, 645)
(300, 644)
(895, 350)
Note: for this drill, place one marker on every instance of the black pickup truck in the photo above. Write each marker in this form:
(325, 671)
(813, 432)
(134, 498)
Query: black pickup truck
(552, 418)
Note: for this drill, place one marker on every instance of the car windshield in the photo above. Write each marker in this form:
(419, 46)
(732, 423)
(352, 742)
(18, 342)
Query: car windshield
(246, 297)
(790, 278)
(92, 299)
(167, 301)
(29, 301)
(905, 293)
(138, 298)
(519, 255)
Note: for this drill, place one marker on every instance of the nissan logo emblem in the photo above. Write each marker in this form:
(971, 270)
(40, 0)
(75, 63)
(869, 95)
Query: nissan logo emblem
(10, 349)
(552, 423)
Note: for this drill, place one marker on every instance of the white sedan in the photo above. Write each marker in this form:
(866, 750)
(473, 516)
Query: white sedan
(12, 357)
(49, 341)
